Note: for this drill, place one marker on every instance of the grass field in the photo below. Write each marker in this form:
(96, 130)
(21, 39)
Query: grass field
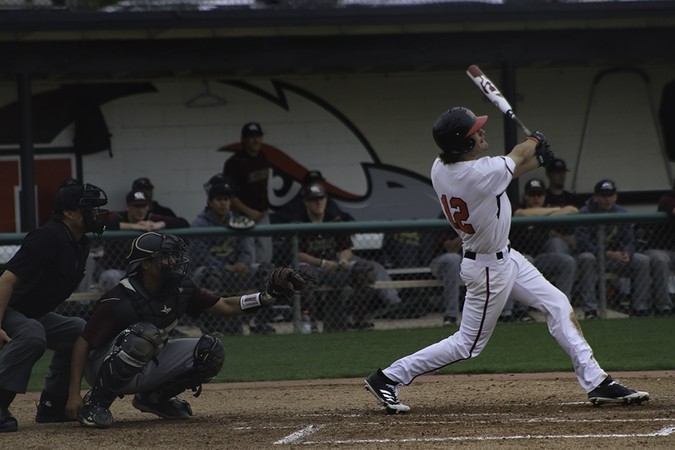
(619, 345)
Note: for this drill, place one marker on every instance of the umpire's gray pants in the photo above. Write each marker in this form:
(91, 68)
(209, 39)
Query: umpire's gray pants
(176, 358)
(29, 340)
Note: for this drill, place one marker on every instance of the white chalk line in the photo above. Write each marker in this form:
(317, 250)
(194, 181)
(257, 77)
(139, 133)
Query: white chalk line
(298, 435)
(533, 421)
(663, 432)
(454, 422)
(497, 417)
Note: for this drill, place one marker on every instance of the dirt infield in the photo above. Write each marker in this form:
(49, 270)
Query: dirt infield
(473, 411)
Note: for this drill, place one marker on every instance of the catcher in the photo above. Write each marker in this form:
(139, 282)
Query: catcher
(124, 348)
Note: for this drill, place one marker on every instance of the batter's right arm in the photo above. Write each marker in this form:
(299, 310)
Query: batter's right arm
(523, 155)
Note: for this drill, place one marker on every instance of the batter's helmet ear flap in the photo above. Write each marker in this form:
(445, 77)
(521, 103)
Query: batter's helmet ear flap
(453, 129)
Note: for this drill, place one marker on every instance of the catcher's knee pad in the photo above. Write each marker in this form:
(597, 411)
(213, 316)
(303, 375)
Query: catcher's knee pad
(209, 356)
(135, 347)
(140, 344)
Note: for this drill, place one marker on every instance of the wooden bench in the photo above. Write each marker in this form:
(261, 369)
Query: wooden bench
(84, 296)
(395, 272)
(408, 283)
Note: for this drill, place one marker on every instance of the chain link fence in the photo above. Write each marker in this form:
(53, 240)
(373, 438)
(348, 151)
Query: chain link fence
(406, 273)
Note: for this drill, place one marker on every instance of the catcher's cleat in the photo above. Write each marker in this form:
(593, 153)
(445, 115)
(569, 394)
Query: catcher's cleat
(609, 391)
(173, 408)
(386, 392)
(95, 416)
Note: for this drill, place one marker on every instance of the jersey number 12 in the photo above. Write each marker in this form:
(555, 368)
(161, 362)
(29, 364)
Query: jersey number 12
(458, 214)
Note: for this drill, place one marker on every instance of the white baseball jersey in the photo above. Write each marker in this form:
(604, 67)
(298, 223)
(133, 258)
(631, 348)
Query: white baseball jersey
(473, 200)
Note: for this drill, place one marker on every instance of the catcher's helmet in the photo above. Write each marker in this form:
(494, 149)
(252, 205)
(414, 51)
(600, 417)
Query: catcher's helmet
(453, 128)
(172, 249)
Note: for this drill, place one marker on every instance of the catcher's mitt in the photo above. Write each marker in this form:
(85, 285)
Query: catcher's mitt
(282, 283)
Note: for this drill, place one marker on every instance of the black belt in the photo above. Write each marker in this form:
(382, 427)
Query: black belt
(472, 255)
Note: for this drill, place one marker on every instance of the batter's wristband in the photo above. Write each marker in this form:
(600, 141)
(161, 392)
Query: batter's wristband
(322, 263)
(250, 301)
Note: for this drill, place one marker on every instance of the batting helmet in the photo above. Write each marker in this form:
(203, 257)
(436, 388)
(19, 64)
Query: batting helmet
(453, 128)
(172, 249)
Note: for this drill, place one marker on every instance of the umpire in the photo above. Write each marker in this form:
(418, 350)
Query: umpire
(42, 274)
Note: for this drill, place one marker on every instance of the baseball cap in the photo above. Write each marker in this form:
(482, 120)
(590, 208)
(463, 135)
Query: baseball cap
(535, 185)
(558, 165)
(142, 183)
(312, 176)
(219, 189)
(77, 196)
(605, 187)
(316, 190)
(137, 198)
(70, 182)
(218, 185)
(251, 129)
(68, 198)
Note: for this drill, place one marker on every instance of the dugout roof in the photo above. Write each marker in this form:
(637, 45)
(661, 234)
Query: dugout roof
(276, 37)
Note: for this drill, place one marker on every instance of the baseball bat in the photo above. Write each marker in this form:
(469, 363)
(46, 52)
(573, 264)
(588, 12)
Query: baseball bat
(489, 89)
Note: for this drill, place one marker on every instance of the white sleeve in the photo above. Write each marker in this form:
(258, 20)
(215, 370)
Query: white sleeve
(497, 172)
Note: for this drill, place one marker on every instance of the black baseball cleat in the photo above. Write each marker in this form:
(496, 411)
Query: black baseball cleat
(7, 421)
(386, 392)
(173, 408)
(52, 409)
(95, 416)
(609, 391)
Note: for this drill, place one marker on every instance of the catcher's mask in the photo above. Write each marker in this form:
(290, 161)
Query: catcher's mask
(88, 199)
(171, 252)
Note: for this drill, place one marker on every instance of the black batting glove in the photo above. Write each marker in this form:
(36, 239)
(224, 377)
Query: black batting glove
(544, 154)
(539, 137)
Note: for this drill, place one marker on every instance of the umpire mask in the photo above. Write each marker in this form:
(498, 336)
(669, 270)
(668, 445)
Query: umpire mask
(87, 199)
(95, 218)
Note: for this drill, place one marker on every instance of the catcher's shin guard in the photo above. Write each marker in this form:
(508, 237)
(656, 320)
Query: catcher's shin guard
(208, 358)
(134, 348)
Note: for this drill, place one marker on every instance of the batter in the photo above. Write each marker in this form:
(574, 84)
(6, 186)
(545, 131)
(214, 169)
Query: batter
(471, 189)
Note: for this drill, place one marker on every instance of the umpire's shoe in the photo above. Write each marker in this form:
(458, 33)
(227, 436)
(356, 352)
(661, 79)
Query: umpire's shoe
(7, 421)
(173, 408)
(51, 409)
(386, 392)
(609, 391)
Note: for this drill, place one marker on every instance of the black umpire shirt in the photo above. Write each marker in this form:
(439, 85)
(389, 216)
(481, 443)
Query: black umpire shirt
(50, 264)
